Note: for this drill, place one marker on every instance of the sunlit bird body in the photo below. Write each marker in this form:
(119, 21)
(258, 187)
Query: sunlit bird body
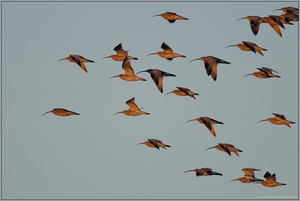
(255, 21)
(129, 72)
(279, 119)
(80, 60)
(204, 172)
(289, 10)
(249, 176)
(270, 180)
(208, 122)
(181, 91)
(249, 46)
(154, 143)
(228, 148)
(133, 109)
(168, 53)
(171, 17)
(120, 54)
(274, 21)
(211, 64)
(288, 18)
(264, 72)
(61, 112)
(157, 76)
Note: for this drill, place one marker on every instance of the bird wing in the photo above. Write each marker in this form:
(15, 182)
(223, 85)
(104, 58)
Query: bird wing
(214, 70)
(269, 70)
(185, 90)
(249, 45)
(157, 78)
(166, 48)
(154, 142)
(249, 172)
(225, 148)
(254, 24)
(126, 65)
(132, 105)
(281, 116)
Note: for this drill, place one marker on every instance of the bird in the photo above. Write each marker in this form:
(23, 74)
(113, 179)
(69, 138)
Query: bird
(274, 21)
(249, 176)
(129, 72)
(171, 17)
(288, 10)
(270, 180)
(61, 112)
(279, 119)
(157, 76)
(204, 172)
(288, 18)
(208, 122)
(249, 46)
(80, 60)
(228, 148)
(120, 54)
(255, 21)
(181, 91)
(211, 63)
(154, 143)
(133, 109)
(167, 53)
(264, 72)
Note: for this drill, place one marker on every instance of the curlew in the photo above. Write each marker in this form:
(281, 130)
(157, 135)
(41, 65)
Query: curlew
(274, 21)
(254, 22)
(133, 109)
(204, 172)
(181, 91)
(157, 76)
(228, 148)
(129, 72)
(80, 60)
(168, 53)
(208, 122)
(211, 64)
(279, 119)
(154, 143)
(120, 54)
(249, 176)
(171, 17)
(289, 10)
(61, 112)
(270, 180)
(264, 72)
(249, 46)
(288, 18)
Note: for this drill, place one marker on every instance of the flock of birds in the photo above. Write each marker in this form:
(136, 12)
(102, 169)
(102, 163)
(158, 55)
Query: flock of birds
(210, 63)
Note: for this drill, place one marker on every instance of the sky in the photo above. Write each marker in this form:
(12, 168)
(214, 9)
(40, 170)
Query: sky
(95, 155)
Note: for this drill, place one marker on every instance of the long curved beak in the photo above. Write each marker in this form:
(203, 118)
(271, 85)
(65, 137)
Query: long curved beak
(156, 15)
(248, 74)
(191, 120)
(118, 113)
(209, 148)
(275, 10)
(62, 59)
(263, 120)
(169, 92)
(140, 143)
(188, 171)
(194, 59)
(113, 76)
(46, 113)
(234, 180)
(241, 18)
(141, 71)
(105, 57)
(230, 46)
(151, 54)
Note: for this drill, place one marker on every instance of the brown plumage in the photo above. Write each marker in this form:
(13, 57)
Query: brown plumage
(270, 180)
(264, 72)
(254, 22)
(120, 54)
(171, 17)
(249, 176)
(289, 10)
(129, 72)
(228, 148)
(133, 109)
(211, 63)
(249, 46)
(168, 53)
(79, 60)
(181, 91)
(204, 172)
(61, 112)
(154, 143)
(274, 21)
(208, 122)
(279, 119)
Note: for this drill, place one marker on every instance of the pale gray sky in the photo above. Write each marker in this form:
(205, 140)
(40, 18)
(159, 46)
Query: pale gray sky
(94, 155)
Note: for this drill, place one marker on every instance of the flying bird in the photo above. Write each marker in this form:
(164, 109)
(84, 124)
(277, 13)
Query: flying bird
(79, 60)
(204, 172)
(181, 91)
(168, 53)
(208, 122)
(255, 21)
(61, 112)
(154, 143)
(270, 180)
(279, 119)
(289, 10)
(171, 17)
(133, 110)
(211, 63)
(249, 46)
(228, 148)
(264, 72)
(249, 176)
(120, 54)
(157, 76)
(274, 21)
(129, 72)
(288, 18)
